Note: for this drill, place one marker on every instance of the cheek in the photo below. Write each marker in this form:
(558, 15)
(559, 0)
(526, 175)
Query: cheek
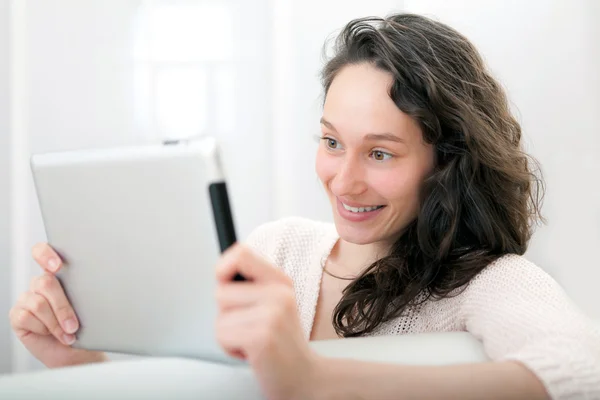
(325, 166)
(397, 187)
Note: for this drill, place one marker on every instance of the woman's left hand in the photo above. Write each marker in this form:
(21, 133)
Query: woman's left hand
(258, 322)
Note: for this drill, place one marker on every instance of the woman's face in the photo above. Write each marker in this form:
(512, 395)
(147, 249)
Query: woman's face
(372, 159)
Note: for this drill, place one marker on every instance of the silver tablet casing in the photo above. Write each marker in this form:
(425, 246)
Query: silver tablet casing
(135, 230)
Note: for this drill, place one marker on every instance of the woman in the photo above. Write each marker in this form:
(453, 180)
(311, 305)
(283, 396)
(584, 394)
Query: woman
(434, 203)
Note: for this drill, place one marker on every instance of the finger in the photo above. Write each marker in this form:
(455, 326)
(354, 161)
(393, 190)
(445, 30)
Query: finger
(234, 330)
(236, 295)
(24, 322)
(50, 288)
(46, 257)
(243, 294)
(243, 260)
(40, 308)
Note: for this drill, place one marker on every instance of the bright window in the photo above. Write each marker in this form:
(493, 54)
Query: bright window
(184, 74)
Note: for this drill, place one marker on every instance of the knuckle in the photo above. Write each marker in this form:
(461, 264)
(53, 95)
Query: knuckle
(38, 304)
(19, 318)
(22, 317)
(44, 283)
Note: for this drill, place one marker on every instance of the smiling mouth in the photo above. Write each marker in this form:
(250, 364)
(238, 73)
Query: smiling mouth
(361, 209)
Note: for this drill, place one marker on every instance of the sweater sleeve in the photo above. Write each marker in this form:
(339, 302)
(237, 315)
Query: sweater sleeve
(520, 313)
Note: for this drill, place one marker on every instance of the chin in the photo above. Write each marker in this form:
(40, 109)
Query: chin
(377, 231)
(351, 233)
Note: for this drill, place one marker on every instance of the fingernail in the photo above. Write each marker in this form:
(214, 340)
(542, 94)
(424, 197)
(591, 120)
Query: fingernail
(69, 339)
(70, 325)
(53, 264)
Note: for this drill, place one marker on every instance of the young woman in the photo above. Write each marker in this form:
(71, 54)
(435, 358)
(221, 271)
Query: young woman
(434, 203)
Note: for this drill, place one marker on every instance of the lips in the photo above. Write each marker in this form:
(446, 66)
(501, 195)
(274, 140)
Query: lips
(358, 213)
(361, 208)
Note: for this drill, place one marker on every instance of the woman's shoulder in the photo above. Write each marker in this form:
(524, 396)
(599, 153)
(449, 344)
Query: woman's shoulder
(509, 283)
(516, 284)
(516, 271)
(292, 240)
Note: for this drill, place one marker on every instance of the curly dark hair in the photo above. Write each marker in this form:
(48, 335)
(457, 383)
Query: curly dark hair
(483, 198)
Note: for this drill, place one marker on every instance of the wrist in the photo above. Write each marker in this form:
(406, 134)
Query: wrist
(89, 357)
(99, 357)
(316, 381)
(78, 357)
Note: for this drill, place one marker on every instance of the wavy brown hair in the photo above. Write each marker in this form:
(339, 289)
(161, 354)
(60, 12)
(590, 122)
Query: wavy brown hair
(483, 198)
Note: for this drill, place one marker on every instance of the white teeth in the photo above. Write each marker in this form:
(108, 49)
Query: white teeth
(360, 209)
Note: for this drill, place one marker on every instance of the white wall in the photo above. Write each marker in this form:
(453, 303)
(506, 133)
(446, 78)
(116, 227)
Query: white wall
(5, 300)
(547, 55)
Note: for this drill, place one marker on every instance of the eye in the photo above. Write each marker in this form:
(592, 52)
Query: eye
(379, 155)
(331, 143)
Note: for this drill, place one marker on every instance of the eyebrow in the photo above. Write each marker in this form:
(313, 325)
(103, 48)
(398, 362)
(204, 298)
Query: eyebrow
(370, 136)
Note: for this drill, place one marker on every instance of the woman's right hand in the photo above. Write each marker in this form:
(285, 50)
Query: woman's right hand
(44, 320)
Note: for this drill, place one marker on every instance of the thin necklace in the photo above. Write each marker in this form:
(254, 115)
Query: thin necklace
(334, 276)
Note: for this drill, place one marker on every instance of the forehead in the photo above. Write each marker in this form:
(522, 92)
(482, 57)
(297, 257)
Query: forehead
(358, 102)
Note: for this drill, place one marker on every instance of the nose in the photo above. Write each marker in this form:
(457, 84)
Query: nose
(349, 178)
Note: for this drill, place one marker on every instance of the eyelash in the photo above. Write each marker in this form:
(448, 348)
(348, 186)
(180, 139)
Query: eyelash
(328, 140)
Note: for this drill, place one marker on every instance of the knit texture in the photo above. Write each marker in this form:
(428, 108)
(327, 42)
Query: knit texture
(513, 307)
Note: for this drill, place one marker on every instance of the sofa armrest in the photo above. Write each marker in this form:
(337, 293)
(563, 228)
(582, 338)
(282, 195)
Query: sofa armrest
(162, 378)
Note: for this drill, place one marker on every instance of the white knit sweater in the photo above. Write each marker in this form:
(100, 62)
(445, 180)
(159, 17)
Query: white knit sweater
(513, 307)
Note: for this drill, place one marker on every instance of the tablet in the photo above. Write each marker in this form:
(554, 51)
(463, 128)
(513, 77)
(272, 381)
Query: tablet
(140, 230)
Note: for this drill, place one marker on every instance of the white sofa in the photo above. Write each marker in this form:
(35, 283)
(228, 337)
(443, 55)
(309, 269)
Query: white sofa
(170, 378)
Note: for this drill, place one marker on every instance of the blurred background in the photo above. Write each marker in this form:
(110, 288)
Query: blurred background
(97, 73)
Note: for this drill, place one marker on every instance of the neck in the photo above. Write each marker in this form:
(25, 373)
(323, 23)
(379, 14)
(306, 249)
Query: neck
(350, 259)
